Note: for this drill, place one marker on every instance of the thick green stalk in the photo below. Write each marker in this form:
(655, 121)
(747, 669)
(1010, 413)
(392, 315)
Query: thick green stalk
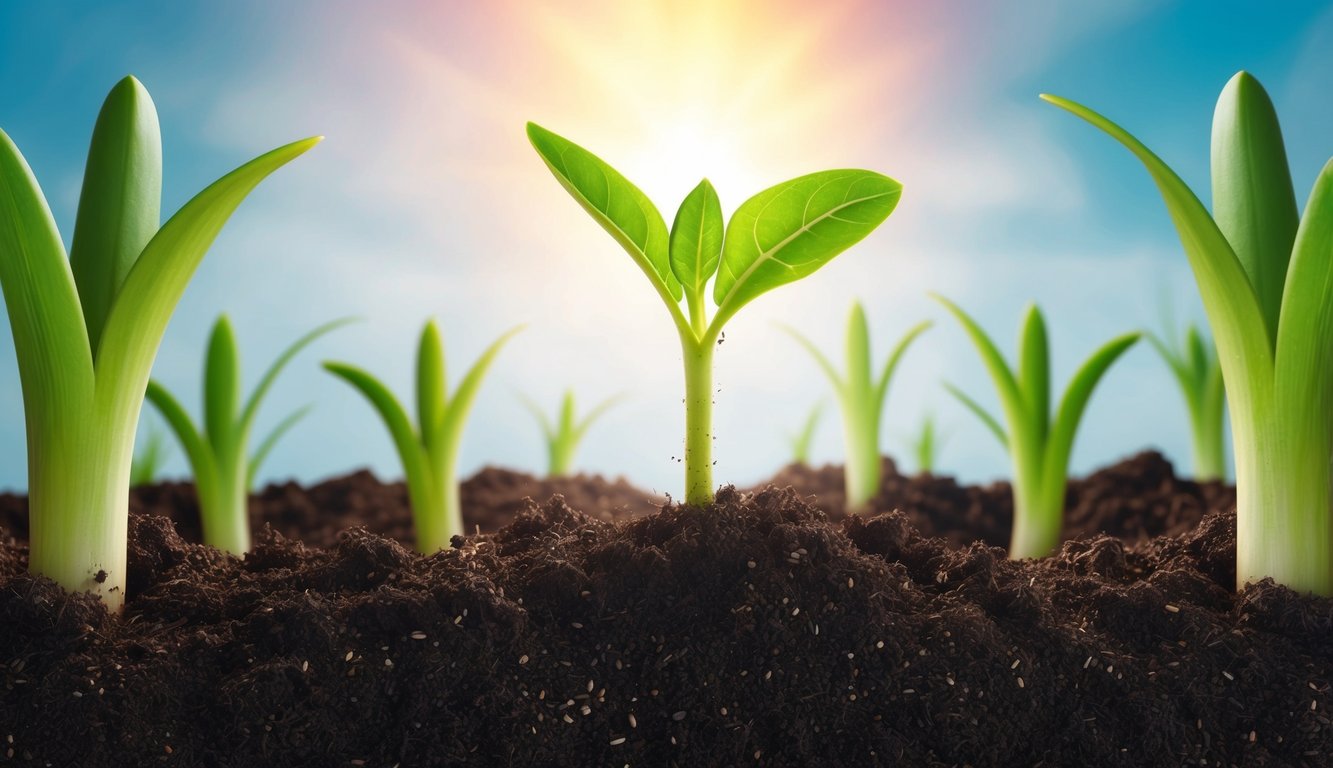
(225, 513)
(863, 464)
(698, 419)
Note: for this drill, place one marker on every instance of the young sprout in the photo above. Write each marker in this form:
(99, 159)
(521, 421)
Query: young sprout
(429, 450)
(565, 433)
(224, 470)
(1039, 442)
(86, 328)
(147, 463)
(1265, 274)
(776, 237)
(801, 441)
(926, 445)
(1198, 371)
(861, 395)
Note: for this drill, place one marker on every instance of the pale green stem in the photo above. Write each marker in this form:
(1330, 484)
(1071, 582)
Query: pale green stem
(561, 457)
(225, 512)
(698, 356)
(438, 510)
(861, 473)
(1038, 508)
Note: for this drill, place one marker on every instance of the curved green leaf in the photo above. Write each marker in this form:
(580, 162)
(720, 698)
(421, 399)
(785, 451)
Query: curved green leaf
(1006, 385)
(1075, 399)
(981, 413)
(405, 439)
(620, 207)
(824, 363)
(120, 205)
(596, 413)
(432, 394)
(145, 302)
(197, 449)
(857, 349)
(461, 401)
(1253, 201)
(790, 230)
(266, 445)
(696, 240)
(222, 387)
(1034, 371)
(890, 365)
(248, 414)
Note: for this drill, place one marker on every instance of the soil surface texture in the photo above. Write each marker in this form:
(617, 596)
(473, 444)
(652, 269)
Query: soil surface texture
(758, 632)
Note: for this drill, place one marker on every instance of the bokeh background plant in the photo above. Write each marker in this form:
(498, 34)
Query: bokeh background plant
(1004, 202)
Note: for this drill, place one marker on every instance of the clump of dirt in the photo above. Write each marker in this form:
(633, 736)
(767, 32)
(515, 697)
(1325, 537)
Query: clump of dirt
(754, 632)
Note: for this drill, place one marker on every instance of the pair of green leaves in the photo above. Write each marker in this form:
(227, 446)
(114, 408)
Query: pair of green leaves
(778, 236)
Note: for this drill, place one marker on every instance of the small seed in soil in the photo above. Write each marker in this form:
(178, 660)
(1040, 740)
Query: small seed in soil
(418, 635)
(1014, 665)
(617, 741)
(1173, 608)
(523, 659)
(1228, 675)
(678, 716)
(1020, 682)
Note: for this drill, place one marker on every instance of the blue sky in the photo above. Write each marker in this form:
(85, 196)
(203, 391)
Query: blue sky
(426, 201)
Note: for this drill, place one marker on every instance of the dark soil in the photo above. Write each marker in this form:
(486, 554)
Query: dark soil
(755, 632)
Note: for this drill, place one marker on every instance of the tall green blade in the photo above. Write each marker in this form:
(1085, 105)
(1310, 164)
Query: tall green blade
(696, 242)
(792, 229)
(405, 439)
(1253, 201)
(120, 206)
(196, 447)
(839, 385)
(1006, 384)
(50, 339)
(431, 396)
(990, 421)
(1034, 371)
(247, 417)
(896, 356)
(222, 387)
(267, 444)
(858, 374)
(1074, 402)
(459, 405)
(150, 293)
(620, 207)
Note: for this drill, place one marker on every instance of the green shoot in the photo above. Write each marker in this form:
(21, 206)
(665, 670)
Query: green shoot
(224, 470)
(86, 328)
(147, 463)
(1197, 370)
(429, 450)
(778, 236)
(861, 395)
(1039, 442)
(1265, 274)
(564, 434)
(926, 445)
(801, 441)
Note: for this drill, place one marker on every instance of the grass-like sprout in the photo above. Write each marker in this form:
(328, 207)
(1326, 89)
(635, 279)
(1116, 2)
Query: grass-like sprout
(219, 453)
(1265, 274)
(861, 393)
(802, 440)
(429, 450)
(1039, 442)
(86, 328)
(776, 237)
(564, 433)
(926, 445)
(1195, 365)
(148, 460)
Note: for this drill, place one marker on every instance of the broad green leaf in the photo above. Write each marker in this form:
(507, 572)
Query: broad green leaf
(266, 445)
(1304, 376)
(1034, 370)
(1075, 400)
(620, 207)
(1234, 312)
(50, 339)
(788, 231)
(696, 239)
(391, 412)
(981, 413)
(247, 416)
(120, 206)
(149, 295)
(432, 396)
(222, 387)
(1253, 201)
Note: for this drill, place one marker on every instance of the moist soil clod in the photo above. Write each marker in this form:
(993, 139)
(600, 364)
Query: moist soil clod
(763, 630)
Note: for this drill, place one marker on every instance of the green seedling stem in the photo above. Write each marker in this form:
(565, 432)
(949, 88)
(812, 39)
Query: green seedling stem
(1265, 273)
(1198, 372)
(926, 445)
(86, 328)
(802, 441)
(224, 469)
(566, 431)
(862, 394)
(776, 237)
(1039, 442)
(429, 450)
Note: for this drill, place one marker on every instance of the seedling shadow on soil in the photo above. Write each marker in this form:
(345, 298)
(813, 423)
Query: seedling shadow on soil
(759, 631)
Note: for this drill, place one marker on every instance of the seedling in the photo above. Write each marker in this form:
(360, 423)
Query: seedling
(1197, 370)
(429, 451)
(926, 445)
(566, 431)
(86, 328)
(776, 237)
(148, 461)
(224, 471)
(1266, 277)
(801, 441)
(1039, 442)
(861, 396)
